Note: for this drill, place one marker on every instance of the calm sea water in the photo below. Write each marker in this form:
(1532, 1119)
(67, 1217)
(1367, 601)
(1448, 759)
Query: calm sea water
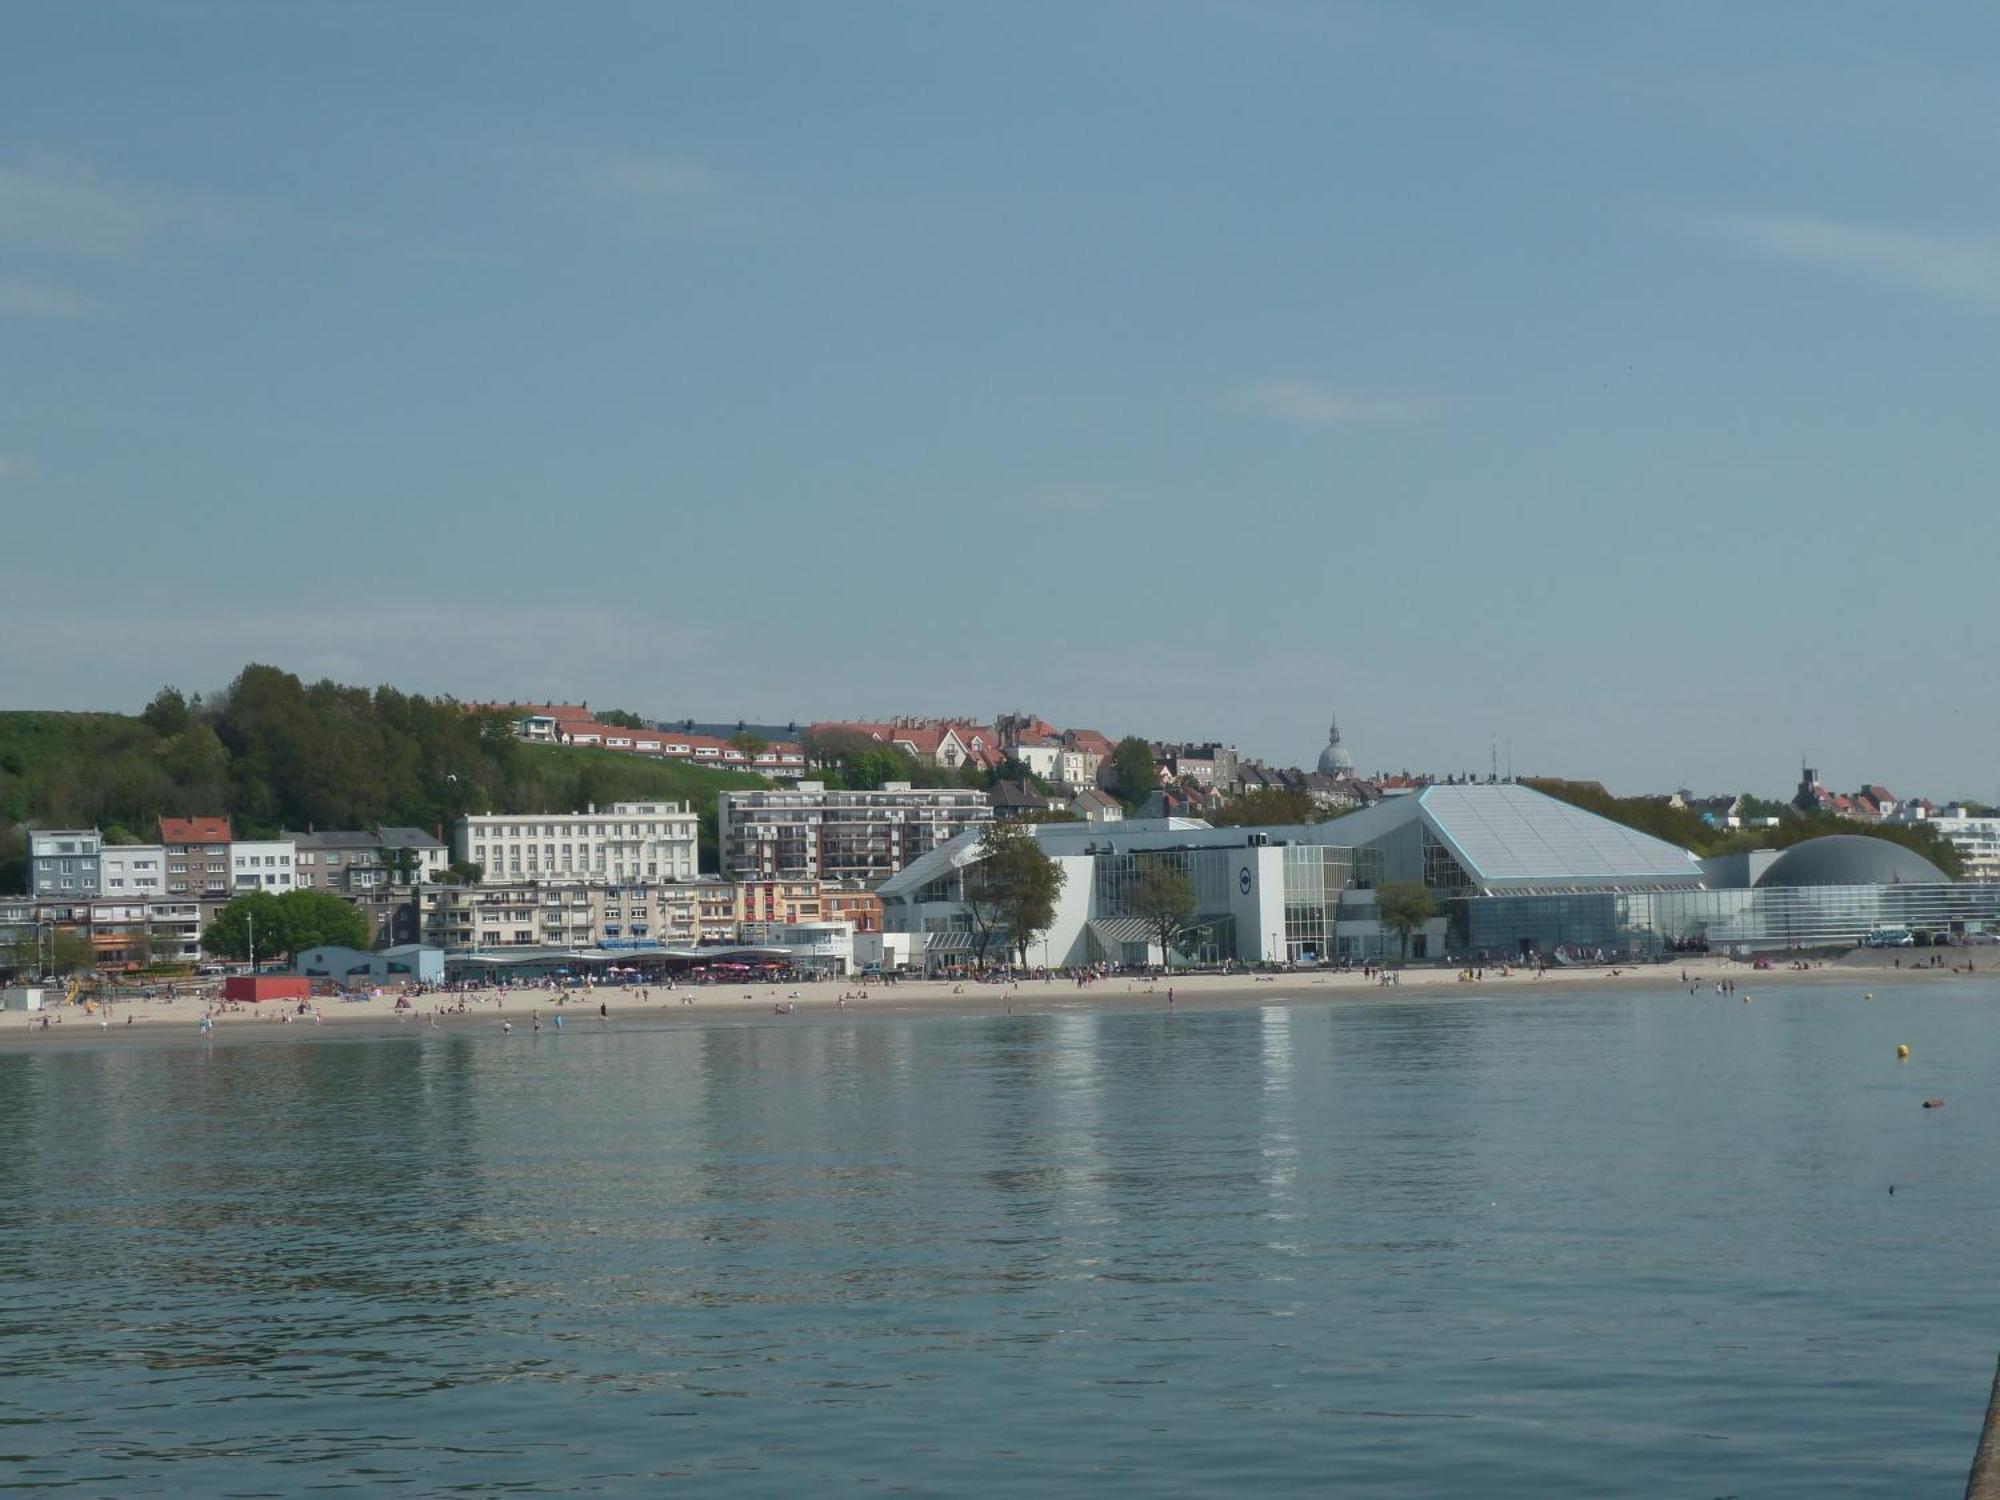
(1580, 1246)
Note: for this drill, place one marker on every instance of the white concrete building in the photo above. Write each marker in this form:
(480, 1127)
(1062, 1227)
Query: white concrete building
(1976, 839)
(1043, 757)
(815, 947)
(628, 841)
(573, 914)
(64, 861)
(263, 865)
(134, 870)
(1078, 767)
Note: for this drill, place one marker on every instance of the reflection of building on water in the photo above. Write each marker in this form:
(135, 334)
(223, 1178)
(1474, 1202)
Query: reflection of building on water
(1513, 872)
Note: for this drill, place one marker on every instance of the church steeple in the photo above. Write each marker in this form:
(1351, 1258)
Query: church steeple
(1334, 759)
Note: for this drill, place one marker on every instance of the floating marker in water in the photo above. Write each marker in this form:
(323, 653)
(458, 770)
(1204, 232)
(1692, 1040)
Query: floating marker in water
(1902, 1052)
(1934, 1104)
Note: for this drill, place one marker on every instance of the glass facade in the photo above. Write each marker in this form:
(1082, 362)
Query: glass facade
(1210, 936)
(1651, 923)
(1318, 878)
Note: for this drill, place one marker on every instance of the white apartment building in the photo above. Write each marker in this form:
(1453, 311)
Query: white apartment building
(1976, 839)
(64, 861)
(134, 870)
(626, 842)
(574, 914)
(263, 865)
(808, 831)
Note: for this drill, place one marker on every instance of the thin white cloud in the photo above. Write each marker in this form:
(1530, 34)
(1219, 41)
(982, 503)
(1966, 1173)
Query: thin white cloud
(28, 299)
(15, 466)
(57, 204)
(1962, 270)
(52, 203)
(1307, 404)
(678, 195)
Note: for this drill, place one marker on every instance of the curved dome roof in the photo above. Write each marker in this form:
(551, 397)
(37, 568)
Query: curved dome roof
(1852, 859)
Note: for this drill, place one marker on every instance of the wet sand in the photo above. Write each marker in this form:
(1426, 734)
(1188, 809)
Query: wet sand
(176, 1022)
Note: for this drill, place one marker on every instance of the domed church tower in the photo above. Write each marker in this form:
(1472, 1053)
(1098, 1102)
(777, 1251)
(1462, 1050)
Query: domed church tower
(1334, 759)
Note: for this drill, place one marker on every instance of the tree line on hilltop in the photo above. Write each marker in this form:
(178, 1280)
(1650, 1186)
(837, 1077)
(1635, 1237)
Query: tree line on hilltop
(271, 752)
(1686, 827)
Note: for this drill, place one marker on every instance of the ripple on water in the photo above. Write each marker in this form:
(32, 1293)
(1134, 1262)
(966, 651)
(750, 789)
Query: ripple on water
(1575, 1246)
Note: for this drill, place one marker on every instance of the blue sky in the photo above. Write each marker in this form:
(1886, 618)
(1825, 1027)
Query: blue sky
(1613, 380)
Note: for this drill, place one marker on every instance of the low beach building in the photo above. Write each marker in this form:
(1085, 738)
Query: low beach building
(414, 963)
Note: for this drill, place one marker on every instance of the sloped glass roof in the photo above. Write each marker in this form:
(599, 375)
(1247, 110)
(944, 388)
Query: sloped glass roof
(1504, 833)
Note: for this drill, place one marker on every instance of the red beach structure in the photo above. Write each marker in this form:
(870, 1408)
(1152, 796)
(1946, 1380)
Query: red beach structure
(254, 987)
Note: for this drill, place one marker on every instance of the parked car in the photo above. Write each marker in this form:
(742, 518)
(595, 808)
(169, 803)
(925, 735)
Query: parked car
(1889, 937)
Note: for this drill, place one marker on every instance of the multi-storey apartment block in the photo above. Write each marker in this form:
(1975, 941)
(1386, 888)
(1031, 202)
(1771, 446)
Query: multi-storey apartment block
(197, 855)
(134, 870)
(841, 835)
(263, 865)
(626, 842)
(64, 861)
(354, 861)
(562, 915)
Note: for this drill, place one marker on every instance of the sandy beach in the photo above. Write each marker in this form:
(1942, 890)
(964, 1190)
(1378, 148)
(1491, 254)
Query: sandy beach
(478, 1012)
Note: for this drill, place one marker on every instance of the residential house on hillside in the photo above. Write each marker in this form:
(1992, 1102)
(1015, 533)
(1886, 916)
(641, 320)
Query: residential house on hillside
(1017, 799)
(574, 724)
(1094, 806)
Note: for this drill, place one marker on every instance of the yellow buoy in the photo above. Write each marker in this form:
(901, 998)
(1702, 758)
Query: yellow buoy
(1903, 1051)
(1746, 999)
(1869, 996)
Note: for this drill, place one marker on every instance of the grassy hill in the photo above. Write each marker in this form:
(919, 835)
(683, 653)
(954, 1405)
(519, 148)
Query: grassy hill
(273, 752)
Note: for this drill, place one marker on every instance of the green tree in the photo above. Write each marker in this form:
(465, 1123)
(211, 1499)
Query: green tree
(167, 714)
(252, 923)
(751, 744)
(619, 718)
(463, 872)
(313, 918)
(1403, 907)
(1134, 776)
(1163, 897)
(1011, 891)
(850, 759)
(58, 950)
(1266, 806)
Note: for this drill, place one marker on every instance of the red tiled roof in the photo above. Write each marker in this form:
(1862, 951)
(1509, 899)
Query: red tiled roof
(194, 831)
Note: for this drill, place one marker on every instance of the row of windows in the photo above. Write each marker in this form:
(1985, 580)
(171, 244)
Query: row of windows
(676, 827)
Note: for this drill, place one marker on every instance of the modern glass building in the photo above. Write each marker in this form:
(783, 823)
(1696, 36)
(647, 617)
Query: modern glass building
(1513, 872)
